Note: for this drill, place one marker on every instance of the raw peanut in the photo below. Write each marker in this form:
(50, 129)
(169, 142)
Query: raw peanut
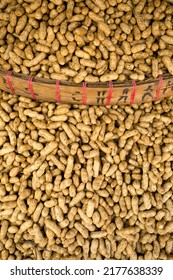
(69, 167)
(84, 218)
(125, 28)
(88, 63)
(91, 79)
(82, 54)
(69, 11)
(21, 24)
(49, 148)
(167, 39)
(168, 63)
(77, 198)
(90, 208)
(109, 77)
(26, 225)
(35, 60)
(58, 77)
(25, 33)
(83, 231)
(69, 72)
(140, 22)
(98, 234)
(33, 6)
(155, 66)
(42, 48)
(53, 227)
(98, 182)
(138, 48)
(79, 77)
(102, 26)
(15, 58)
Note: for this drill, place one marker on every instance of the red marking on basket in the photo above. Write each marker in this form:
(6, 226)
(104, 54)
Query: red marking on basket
(84, 95)
(158, 91)
(31, 88)
(133, 94)
(108, 101)
(58, 95)
(9, 83)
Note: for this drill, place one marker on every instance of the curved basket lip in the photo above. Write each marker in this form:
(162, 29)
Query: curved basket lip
(105, 94)
(90, 85)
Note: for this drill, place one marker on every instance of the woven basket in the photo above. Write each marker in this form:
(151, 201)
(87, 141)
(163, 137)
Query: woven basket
(110, 93)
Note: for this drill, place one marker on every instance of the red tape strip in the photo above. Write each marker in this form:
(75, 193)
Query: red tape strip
(158, 91)
(84, 95)
(133, 94)
(58, 95)
(31, 88)
(108, 101)
(9, 83)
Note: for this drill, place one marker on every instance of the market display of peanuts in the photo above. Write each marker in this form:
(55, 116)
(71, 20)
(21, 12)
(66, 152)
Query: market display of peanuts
(88, 40)
(85, 182)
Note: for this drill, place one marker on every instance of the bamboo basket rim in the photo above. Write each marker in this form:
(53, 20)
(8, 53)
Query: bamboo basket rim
(108, 93)
(90, 85)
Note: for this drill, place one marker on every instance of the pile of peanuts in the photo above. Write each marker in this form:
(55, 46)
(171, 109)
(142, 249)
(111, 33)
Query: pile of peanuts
(91, 41)
(87, 183)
